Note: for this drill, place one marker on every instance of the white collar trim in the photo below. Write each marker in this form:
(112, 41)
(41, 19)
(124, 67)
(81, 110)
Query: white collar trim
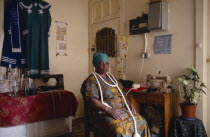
(27, 7)
(44, 7)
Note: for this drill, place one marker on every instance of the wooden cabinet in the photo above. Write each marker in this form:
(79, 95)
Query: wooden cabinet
(167, 101)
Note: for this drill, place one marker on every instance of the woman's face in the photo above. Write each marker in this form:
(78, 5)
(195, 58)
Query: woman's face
(103, 67)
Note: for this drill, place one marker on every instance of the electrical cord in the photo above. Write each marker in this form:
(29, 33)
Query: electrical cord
(129, 91)
(145, 51)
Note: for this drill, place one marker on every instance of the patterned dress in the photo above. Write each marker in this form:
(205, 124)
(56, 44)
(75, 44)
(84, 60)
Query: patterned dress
(106, 125)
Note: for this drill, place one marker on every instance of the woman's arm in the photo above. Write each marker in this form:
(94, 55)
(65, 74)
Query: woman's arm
(96, 104)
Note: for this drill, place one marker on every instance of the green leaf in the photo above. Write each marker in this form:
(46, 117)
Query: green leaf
(193, 71)
(195, 79)
(185, 82)
(192, 86)
(181, 79)
(186, 77)
(203, 85)
(203, 91)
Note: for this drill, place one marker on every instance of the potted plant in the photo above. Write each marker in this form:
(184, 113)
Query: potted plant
(191, 89)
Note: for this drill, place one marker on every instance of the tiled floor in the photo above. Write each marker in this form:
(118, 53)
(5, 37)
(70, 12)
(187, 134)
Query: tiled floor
(78, 128)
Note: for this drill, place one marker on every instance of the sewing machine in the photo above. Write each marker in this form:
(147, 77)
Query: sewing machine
(158, 83)
(59, 82)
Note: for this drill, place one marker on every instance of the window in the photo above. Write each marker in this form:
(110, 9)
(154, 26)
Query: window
(106, 42)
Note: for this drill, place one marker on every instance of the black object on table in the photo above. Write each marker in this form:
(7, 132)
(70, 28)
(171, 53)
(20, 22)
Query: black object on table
(59, 82)
(187, 128)
(126, 83)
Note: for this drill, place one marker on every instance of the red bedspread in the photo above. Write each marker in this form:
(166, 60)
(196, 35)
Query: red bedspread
(43, 106)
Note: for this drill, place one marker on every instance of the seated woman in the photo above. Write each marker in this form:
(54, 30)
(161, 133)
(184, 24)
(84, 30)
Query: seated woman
(112, 115)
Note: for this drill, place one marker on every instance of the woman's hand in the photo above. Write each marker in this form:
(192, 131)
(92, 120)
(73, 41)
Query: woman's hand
(96, 104)
(114, 114)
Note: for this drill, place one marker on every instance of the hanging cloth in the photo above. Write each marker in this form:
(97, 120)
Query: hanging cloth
(38, 25)
(13, 47)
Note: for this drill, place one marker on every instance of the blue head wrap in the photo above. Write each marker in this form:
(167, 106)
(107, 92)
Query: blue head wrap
(98, 58)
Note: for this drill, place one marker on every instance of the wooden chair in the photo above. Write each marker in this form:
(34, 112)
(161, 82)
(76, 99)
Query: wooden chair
(89, 127)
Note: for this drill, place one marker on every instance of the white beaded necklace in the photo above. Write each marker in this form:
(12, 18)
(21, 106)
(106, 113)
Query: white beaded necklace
(115, 84)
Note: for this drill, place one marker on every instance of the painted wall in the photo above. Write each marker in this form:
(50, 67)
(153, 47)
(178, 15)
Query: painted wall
(208, 68)
(74, 66)
(181, 26)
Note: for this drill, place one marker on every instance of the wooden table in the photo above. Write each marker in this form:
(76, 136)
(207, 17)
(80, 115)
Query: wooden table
(168, 101)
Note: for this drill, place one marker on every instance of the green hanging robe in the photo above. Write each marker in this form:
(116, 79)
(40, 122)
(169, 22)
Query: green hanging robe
(38, 25)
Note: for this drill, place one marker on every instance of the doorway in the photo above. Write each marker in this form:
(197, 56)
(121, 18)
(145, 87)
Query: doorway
(103, 14)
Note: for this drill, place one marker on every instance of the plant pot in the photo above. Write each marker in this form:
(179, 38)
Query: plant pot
(188, 111)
